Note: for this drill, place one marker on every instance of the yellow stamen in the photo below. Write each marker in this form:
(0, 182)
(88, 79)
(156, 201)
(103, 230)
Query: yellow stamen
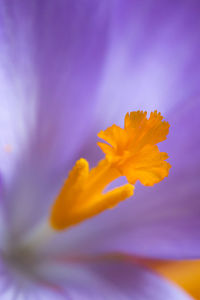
(132, 153)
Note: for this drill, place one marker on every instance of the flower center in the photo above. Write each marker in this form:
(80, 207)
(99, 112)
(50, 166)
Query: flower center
(131, 152)
(20, 265)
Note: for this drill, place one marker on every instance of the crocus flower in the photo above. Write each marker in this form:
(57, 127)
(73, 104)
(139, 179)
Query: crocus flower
(71, 69)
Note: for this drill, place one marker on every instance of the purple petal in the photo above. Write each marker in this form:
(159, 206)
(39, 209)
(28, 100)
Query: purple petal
(114, 277)
(51, 60)
(109, 278)
(153, 61)
(50, 64)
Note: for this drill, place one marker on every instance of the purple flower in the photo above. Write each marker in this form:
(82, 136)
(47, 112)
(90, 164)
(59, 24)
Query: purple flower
(67, 70)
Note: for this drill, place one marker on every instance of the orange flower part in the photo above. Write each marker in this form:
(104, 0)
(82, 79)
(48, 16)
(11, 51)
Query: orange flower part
(131, 152)
(184, 273)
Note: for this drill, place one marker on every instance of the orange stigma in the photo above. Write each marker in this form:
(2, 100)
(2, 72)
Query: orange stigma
(131, 152)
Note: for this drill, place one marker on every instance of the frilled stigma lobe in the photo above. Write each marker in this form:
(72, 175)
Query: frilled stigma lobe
(131, 152)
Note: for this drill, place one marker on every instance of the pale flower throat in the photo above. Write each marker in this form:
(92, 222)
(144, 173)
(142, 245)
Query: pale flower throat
(131, 152)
